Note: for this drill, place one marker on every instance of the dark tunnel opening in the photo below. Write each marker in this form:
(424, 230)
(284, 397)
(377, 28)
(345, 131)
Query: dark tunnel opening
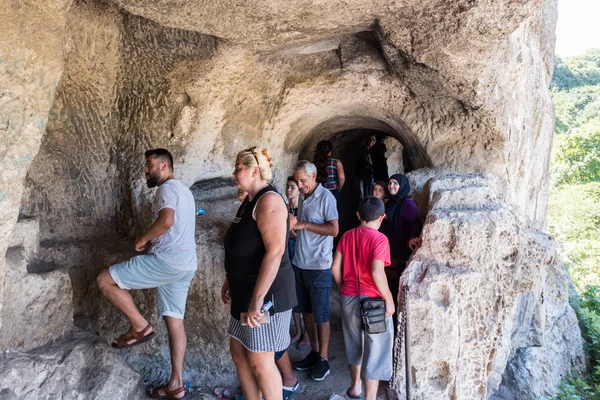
(404, 154)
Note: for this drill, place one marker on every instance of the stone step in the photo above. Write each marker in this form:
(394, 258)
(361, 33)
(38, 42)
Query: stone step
(79, 365)
(40, 307)
(26, 233)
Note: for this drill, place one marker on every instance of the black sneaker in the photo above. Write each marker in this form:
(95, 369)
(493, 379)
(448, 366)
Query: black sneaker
(308, 363)
(320, 370)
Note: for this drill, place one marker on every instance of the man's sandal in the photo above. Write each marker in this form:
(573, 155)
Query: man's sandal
(169, 394)
(131, 337)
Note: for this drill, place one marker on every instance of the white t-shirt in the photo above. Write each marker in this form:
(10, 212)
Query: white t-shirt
(177, 246)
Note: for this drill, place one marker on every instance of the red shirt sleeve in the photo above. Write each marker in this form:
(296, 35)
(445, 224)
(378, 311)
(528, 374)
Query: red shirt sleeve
(342, 243)
(381, 249)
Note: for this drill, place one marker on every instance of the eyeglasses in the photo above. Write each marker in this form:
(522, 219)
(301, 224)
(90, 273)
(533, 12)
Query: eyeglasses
(251, 150)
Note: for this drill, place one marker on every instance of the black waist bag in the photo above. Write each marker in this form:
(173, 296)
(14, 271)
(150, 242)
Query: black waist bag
(373, 314)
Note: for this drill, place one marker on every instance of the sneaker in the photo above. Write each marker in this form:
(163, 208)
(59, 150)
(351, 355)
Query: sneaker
(320, 370)
(308, 363)
(288, 391)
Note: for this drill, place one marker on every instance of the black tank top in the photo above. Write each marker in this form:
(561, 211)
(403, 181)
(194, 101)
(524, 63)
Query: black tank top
(244, 252)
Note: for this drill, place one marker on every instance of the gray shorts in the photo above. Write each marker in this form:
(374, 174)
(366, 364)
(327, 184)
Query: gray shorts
(372, 351)
(148, 271)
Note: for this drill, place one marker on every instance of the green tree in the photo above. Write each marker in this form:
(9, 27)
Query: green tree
(577, 71)
(576, 156)
(574, 206)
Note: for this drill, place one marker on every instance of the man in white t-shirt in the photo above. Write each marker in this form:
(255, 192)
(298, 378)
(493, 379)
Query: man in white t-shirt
(169, 266)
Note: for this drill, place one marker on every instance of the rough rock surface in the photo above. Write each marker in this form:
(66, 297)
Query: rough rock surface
(40, 307)
(488, 304)
(79, 366)
(30, 68)
(41, 298)
(455, 86)
(539, 369)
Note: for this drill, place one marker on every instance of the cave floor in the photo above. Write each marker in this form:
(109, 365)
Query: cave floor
(337, 381)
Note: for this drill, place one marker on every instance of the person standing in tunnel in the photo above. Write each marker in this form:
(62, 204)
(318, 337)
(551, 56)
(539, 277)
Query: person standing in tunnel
(259, 273)
(169, 265)
(401, 224)
(364, 168)
(292, 192)
(282, 358)
(358, 269)
(330, 171)
(316, 227)
(379, 160)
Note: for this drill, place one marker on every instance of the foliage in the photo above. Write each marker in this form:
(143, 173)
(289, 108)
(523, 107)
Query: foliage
(586, 387)
(577, 71)
(576, 157)
(574, 207)
(576, 107)
(574, 219)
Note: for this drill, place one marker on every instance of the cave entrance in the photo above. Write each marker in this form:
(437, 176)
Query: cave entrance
(404, 154)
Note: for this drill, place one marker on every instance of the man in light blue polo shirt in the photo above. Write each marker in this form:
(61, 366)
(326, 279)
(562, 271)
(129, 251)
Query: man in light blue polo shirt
(316, 227)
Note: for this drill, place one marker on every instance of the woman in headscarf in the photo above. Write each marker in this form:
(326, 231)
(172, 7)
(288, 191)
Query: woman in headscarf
(401, 224)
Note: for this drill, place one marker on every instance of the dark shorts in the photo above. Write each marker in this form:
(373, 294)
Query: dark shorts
(279, 354)
(313, 288)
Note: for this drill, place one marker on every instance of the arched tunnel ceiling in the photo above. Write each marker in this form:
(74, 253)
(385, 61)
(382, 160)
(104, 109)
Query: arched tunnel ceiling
(330, 128)
(416, 26)
(456, 39)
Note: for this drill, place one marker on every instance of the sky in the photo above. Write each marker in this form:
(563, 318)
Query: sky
(578, 27)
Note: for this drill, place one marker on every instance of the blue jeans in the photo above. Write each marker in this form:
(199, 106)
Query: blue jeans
(291, 248)
(313, 288)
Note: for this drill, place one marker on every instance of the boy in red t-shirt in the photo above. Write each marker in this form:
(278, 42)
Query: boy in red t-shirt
(362, 254)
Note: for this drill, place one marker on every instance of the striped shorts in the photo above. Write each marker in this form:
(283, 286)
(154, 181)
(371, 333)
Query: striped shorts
(274, 336)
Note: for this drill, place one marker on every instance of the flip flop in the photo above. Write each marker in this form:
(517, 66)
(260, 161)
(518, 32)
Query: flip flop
(353, 396)
(138, 337)
(169, 394)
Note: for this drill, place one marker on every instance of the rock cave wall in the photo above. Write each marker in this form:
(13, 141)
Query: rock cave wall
(461, 86)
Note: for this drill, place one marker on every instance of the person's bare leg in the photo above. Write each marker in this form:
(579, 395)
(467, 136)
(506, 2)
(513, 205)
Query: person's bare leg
(266, 374)
(244, 371)
(355, 382)
(298, 325)
(177, 345)
(371, 387)
(121, 300)
(323, 332)
(311, 328)
(285, 368)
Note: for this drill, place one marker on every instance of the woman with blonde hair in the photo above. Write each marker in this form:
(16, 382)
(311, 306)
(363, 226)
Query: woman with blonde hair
(258, 272)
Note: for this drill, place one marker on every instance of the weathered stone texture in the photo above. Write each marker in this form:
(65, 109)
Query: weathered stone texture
(79, 367)
(30, 68)
(40, 307)
(71, 184)
(458, 87)
(480, 300)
